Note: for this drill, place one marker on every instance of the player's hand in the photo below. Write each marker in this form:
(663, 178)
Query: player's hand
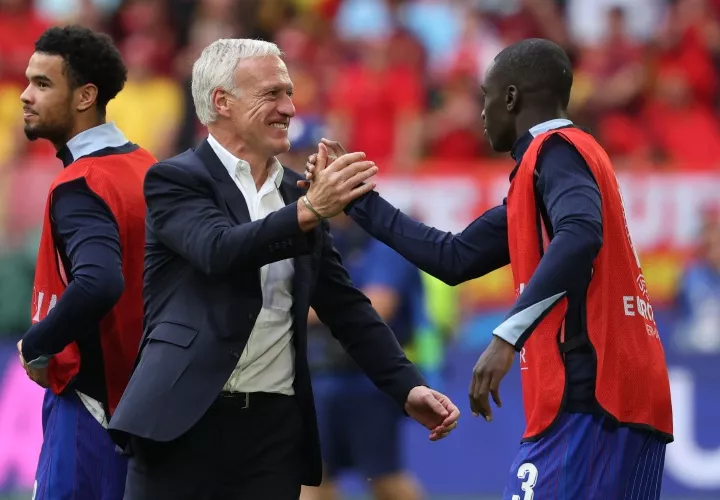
(337, 184)
(335, 150)
(19, 348)
(489, 370)
(37, 375)
(433, 410)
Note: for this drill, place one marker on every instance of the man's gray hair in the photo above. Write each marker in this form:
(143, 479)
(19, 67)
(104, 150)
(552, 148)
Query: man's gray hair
(215, 69)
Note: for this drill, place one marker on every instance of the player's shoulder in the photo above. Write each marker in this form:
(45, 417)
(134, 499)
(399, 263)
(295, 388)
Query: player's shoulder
(559, 147)
(557, 141)
(185, 164)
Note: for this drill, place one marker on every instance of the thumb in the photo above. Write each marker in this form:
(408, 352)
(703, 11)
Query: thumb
(435, 405)
(322, 158)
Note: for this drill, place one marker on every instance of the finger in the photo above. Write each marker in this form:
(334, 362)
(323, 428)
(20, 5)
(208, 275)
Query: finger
(453, 413)
(346, 175)
(436, 406)
(342, 161)
(312, 159)
(322, 155)
(495, 390)
(445, 429)
(481, 397)
(452, 419)
(473, 407)
(309, 176)
(303, 184)
(361, 190)
(359, 178)
(334, 146)
(437, 436)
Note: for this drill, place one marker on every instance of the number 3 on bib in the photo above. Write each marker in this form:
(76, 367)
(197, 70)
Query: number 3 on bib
(529, 473)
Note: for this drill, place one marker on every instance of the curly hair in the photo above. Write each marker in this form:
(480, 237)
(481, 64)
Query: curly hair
(89, 58)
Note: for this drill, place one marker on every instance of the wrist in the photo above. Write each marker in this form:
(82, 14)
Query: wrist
(498, 340)
(306, 219)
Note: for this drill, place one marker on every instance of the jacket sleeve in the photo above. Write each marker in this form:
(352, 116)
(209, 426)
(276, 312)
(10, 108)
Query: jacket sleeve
(348, 314)
(182, 214)
(453, 258)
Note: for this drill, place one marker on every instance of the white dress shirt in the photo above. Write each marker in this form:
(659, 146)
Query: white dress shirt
(268, 362)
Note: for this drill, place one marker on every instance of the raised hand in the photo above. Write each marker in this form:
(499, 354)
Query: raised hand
(337, 184)
(335, 150)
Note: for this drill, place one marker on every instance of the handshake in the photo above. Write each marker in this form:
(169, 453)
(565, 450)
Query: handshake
(334, 178)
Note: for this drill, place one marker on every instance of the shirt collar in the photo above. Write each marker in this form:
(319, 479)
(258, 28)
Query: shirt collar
(232, 162)
(91, 141)
(524, 141)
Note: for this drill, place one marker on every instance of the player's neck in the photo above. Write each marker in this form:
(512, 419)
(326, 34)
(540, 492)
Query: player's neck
(79, 127)
(532, 117)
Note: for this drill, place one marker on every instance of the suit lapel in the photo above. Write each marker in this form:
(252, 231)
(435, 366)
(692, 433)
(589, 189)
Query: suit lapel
(289, 191)
(234, 199)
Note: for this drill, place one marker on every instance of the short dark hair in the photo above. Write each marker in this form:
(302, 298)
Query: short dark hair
(537, 65)
(89, 57)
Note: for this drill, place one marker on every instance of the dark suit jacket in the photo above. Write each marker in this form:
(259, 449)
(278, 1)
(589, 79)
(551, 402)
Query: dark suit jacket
(202, 295)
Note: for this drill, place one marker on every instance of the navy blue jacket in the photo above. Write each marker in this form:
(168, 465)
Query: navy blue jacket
(571, 204)
(202, 296)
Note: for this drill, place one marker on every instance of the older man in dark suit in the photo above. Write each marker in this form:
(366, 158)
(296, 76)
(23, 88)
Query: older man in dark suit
(220, 403)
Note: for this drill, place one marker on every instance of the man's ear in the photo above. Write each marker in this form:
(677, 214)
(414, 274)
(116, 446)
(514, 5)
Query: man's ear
(221, 102)
(512, 98)
(86, 96)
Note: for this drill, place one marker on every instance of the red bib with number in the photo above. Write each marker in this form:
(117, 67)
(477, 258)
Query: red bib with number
(117, 179)
(632, 378)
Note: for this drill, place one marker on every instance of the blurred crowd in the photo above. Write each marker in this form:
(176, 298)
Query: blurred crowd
(398, 79)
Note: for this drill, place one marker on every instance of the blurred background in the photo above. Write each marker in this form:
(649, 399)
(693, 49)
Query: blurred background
(400, 80)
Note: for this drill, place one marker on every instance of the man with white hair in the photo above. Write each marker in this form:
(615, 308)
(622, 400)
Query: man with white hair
(220, 403)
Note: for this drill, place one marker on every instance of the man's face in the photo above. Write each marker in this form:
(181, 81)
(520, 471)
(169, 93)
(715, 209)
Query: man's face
(48, 99)
(497, 112)
(262, 110)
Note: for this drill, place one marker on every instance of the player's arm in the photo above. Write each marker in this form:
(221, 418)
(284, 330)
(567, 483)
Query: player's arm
(347, 312)
(573, 203)
(453, 258)
(87, 231)
(183, 215)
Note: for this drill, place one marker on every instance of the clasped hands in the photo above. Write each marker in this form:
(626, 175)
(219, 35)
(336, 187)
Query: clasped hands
(336, 180)
(497, 359)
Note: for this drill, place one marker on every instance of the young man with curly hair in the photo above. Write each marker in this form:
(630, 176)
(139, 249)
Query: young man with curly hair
(87, 296)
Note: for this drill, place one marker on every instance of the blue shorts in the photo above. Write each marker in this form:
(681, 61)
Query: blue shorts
(360, 427)
(78, 460)
(587, 456)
